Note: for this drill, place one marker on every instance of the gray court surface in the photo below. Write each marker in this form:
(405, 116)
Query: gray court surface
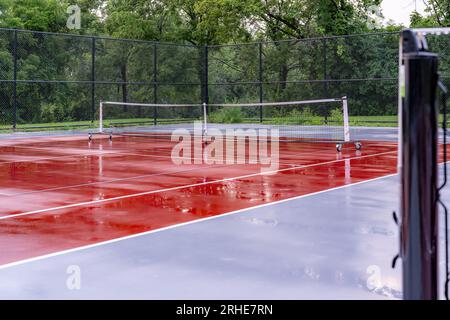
(338, 244)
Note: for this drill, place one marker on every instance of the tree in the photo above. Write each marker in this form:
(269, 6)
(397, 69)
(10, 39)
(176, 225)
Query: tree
(437, 14)
(39, 15)
(46, 58)
(210, 22)
(140, 19)
(198, 22)
(47, 15)
(281, 19)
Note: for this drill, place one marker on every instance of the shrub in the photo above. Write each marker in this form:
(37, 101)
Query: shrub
(226, 115)
(53, 113)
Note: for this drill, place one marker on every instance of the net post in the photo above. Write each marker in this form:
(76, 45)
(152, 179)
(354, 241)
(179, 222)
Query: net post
(401, 95)
(205, 119)
(419, 174)
(261, 79)
(346, 119)
(100, 121)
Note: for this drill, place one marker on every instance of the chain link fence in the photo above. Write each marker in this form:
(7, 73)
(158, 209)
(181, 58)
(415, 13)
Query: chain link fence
(50, 81)
(362, 67)
(57, 80)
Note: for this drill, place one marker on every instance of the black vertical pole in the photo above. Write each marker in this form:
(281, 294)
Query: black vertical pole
(206, 77)
(325, 69)
(93, 53)
(261, 79)
(15, 44)
(155, 84)
(325, 78)
(419, 147)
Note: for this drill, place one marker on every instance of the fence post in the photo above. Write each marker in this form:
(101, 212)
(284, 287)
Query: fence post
(325, 69)
(261, 79)
(15, 80)
(93, 53)
(325, 77)
(206, 77)
(155, 85)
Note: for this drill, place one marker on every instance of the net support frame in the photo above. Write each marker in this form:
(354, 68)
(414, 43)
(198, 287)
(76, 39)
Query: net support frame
(100, 121)
(275, 104)
(102, 105)
(343, 100)
(346, 120)
(346, 138)
(205, 119)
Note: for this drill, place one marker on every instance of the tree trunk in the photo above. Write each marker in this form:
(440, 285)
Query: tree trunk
(283, 74)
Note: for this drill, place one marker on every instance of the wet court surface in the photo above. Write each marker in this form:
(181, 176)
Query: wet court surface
(138, 226)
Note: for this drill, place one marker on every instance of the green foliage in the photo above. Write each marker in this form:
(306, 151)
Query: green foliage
(54, 113)
(299, 117)
(362, 67)
(437, 14)
(336, 115)
(226, 115)
(140, 19)
(48, 15)
(194, 21)
(40, 15)
(214, 21)
(343, 17)
(282, 116)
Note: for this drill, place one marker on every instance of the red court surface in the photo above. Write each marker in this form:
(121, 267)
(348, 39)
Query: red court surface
(61, 193)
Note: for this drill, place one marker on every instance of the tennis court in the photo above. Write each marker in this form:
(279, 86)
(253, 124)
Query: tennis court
(140, 225)
(276, 199)
(63, 196)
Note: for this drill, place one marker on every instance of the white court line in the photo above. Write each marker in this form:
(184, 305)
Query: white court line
(54, 158)
(175, 226)
(55, 254)
(81, 155)
(97, 152)
(94, 152)
(94, 202)
(114, 152)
